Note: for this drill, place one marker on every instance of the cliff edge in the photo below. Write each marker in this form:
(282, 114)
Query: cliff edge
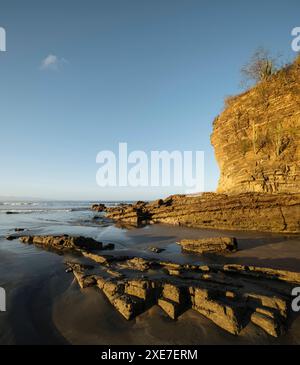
(257, 137)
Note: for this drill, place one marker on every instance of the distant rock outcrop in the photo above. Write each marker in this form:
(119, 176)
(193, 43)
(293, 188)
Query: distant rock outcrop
(98, 207)
(257, 137)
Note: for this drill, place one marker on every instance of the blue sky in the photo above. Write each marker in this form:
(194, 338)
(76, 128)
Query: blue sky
(153, 74)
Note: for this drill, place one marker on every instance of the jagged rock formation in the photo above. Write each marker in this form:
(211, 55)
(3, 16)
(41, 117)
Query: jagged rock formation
(229, 295)
(249, 211)
(209, 245)
(257, 137)
(98, 207)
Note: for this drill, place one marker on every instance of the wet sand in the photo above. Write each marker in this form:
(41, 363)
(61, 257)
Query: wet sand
(46, 306)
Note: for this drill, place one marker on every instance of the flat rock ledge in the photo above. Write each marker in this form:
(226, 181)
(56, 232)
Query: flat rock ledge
(229, 295)
(209, 245)
(246, 211)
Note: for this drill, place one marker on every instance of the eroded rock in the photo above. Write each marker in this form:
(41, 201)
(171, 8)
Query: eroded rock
(244, 138)
(230, 302)
(138, 263)
(268, 323)
(128, 305)
(209, 245)
(171, 308)
(63, 242)
(99, 207)
(226, 314)
(100, 259)
(244, 211)
(230, 295)
(11, 237)
(143, 289)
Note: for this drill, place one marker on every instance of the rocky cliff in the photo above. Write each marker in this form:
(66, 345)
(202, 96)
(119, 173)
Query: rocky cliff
(256, 138)
(256, 141)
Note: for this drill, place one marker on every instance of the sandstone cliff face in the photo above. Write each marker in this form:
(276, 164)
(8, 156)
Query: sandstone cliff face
(256, 138)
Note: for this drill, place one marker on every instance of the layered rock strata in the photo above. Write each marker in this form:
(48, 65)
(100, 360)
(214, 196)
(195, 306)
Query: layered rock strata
(231, 295)
(209, 245)
(248, 211)
(257, 137)
(257, 146)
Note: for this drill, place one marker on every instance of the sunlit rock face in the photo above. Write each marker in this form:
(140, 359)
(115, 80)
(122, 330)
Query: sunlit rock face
(256, 138)
(246, 211)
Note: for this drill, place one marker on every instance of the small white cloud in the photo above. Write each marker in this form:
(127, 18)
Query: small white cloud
(52, 62)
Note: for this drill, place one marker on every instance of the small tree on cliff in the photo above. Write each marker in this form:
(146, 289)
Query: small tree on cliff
(261, 66)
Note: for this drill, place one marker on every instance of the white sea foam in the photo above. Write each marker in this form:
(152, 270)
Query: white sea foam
(28, 211)
(19, 203)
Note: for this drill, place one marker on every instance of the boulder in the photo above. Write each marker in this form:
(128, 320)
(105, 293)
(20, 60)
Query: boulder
(11, 237)
(156, 249)
(138, 263)
(99, 207)
(63, 242)
(209, 245)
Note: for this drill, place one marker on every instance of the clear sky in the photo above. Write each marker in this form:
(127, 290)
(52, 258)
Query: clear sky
(79, 77)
